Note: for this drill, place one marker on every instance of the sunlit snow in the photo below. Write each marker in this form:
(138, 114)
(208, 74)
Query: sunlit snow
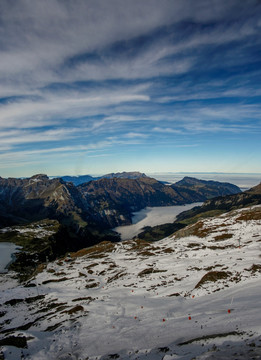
(137, 300)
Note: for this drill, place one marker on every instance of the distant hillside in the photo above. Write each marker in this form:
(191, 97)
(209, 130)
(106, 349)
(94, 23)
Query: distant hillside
(211, 207)
(81, 179)
(77, 180)
(124, 175)
(224, 204)
(203, 189)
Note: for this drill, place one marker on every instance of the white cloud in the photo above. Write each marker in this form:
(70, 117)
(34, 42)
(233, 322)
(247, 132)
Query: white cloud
(167, 130)
(55, 109)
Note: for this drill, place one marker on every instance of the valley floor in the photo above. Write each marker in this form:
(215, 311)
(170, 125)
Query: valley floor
(191, 296)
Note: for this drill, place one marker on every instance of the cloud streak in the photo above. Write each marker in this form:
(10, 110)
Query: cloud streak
(77, 74)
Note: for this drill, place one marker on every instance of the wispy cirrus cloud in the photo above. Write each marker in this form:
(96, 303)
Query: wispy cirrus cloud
(99, 75)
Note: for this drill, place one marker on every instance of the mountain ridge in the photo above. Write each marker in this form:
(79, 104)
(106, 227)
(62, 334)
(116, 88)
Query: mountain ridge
(81, 179)
(108, 201)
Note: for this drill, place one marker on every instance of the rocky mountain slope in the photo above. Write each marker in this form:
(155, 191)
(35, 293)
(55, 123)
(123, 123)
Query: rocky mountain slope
(195, 295)
(37, 198)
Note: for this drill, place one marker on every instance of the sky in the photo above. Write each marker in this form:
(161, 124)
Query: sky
(99, 86)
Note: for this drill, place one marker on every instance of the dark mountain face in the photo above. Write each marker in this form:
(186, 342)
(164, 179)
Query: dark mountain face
(36, 198)
(223, 204)
(202, 190)
(115, 199)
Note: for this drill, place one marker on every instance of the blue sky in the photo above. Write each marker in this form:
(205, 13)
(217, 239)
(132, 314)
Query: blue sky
(98, 86)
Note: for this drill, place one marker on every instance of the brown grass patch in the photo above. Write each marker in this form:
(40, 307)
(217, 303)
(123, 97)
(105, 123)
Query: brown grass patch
(212, 276)
(208, 268)
(146, 253)
(251, 214)
(96, 251)
(223, 237)
(150, 271)
(92, 285)
(215, 247)
(254, 268)
(168, 251)
(197, 229)
(74, 310)
(192, 245)
(116, 277)
(55, 280)
(82, 274)
(51, 271)
(90, 266)
(87, 298)
(138, 244)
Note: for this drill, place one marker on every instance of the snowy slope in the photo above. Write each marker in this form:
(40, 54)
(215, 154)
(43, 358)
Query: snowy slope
(195, 295)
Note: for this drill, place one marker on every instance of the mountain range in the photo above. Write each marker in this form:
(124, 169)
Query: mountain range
(104, 203)
(83, 215)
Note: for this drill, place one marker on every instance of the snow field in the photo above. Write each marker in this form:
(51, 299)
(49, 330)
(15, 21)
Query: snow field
(133, 298)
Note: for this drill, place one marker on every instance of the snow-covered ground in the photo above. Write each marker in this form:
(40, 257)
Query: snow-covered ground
(192, 297)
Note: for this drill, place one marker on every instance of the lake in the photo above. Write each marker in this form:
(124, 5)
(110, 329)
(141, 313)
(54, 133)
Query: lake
(151, 216)
(6, 251)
